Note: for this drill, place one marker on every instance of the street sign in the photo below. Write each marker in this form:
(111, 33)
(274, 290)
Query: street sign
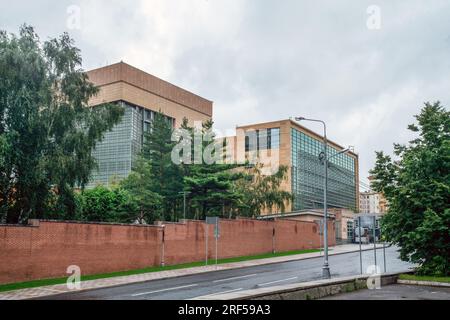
(214, 221)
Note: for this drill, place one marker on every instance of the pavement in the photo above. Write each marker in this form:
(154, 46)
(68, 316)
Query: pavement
(397, 292)
(188, 284)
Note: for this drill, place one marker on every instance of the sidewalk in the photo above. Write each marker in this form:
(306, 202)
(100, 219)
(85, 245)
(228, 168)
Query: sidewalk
(118, 281)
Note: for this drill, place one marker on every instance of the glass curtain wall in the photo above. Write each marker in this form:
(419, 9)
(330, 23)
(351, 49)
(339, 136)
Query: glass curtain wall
(117, 153)
(308, 175)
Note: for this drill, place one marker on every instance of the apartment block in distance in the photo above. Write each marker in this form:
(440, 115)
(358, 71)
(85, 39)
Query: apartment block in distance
(372, 202)
(288, 143)
(141, 95)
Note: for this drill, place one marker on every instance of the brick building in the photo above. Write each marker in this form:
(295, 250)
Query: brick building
(288, 143)
(141, 95)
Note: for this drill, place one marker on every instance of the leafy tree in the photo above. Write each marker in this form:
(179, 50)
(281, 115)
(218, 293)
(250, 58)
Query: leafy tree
(417, 187)
(107, 205)
(263, 192)
(47, 130)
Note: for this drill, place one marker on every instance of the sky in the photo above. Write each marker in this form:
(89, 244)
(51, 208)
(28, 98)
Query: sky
(364, 67)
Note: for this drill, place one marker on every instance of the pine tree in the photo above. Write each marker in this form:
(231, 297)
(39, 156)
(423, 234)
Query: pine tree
(210, 185)
(166, 176)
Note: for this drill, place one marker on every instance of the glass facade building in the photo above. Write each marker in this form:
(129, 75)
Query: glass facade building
(308, 175)
(116, 154)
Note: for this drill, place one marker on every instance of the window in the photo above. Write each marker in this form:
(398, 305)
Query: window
(265, 139)
(349, 230)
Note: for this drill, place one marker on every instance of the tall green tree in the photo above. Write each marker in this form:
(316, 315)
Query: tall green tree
(47, 130)
(263, 192)
(417, 187)
(165, 177)
(141, 185)
(210, 182)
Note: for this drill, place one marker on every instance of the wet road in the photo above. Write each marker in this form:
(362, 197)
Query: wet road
(219, 282)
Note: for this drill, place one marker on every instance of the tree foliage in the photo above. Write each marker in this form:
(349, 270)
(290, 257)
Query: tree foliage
(47, 131)
(141, 185)
(210, 185)
(102, 204)
(417, 187)
(163, 177)
(263, 192)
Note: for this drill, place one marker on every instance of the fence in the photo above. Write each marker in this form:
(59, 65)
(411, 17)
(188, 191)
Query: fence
(45, 249)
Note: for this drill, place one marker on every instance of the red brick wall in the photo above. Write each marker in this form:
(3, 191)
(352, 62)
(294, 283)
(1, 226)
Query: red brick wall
(45, 251)
(295, 235)
(28, 253)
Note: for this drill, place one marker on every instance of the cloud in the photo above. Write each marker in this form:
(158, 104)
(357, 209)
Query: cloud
(262, 60)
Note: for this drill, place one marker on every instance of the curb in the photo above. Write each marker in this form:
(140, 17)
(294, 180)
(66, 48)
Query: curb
(311, 290)
(424, 283)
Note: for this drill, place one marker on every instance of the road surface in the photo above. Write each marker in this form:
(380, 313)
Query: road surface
(219, 282)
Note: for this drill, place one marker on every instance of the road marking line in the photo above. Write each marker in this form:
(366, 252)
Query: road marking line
(162, 290)
(284, 280)
(218, 293)
(241, 277)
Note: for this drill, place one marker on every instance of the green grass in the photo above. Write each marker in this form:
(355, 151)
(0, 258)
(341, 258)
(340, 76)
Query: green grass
(49, 282)
(424, 278)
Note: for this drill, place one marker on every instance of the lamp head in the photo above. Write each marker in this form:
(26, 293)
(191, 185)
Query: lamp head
(299, 118)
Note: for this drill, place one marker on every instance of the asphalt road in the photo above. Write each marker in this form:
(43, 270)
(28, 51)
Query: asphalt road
(212, 283)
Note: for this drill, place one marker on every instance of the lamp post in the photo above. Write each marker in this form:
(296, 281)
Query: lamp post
(326, 267)
(184, 193)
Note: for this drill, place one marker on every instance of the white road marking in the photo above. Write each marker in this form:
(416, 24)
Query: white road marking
(162, 290)
(241, 277)
(218, 293)
(278, 281)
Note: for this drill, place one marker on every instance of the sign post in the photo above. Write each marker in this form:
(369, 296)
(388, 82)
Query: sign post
(360, 250)
(206, 242)
(370, 221)
(213, 221)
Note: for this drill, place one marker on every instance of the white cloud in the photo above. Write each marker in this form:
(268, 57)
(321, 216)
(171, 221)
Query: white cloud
(262, 60)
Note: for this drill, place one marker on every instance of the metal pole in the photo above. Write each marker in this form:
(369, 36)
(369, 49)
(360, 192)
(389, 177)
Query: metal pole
(163, 244)
(326, 268)
(320, 236)
(384, 253)
(374, 239)
(206, 241)
(217, 236)
(184, 205)
(360, 250)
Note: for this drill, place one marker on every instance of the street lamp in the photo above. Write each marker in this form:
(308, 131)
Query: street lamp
(326, 268)
(184, 193)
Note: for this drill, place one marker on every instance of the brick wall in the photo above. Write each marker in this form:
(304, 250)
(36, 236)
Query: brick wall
(48, 248)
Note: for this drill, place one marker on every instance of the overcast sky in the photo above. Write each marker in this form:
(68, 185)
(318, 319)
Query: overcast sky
(262, 60)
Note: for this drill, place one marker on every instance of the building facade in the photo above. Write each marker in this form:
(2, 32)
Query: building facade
(141, 95)
(289, 144)
(372, 202)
